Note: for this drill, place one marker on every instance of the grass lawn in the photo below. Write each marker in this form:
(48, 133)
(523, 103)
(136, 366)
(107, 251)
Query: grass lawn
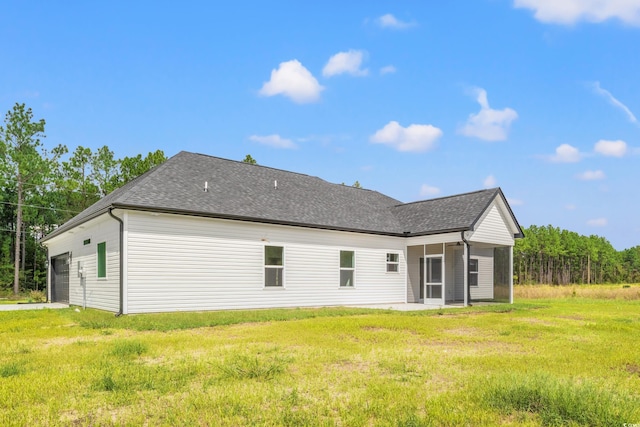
(546, 360)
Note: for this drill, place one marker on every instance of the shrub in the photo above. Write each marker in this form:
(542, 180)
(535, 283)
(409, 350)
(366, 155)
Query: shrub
(37, 296)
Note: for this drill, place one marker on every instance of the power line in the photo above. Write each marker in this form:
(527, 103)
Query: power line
(40, 207)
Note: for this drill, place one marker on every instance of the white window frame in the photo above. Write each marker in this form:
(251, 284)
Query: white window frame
(280, 267)
(352, 269)
(393, 263)
(476, 272)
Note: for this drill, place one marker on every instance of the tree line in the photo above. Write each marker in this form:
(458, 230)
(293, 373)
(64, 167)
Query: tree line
(41, 189)
(555, 256)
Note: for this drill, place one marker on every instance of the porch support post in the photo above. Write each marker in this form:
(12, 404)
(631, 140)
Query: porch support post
(424, 274)
(406, 274)
(444, 277)
(510, 274)
(465, 270)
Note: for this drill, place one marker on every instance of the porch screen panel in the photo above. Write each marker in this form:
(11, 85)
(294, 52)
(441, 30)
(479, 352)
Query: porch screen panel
(501, 274)
(434, 277)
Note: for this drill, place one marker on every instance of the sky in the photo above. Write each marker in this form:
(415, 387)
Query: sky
(414, 99)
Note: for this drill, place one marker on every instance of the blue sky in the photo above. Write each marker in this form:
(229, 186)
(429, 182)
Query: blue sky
(413, 99)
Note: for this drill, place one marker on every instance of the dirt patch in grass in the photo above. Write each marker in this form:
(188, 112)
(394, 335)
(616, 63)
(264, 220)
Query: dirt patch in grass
(572, 317)
(81, 340)
(61, 341)
(632, 369)
(473, 348)
(464, 332)
(535, 321)
(350, 366)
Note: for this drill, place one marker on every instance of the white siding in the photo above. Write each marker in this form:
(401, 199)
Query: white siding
(100, 293)
(492, 228)
(484, 290)
(188, 263)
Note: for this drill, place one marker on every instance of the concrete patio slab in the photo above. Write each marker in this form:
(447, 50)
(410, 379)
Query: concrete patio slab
(34, 306)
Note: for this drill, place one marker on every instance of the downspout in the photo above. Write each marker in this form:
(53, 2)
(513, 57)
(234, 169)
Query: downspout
(119, 313)
(48, 274)
(466, 242)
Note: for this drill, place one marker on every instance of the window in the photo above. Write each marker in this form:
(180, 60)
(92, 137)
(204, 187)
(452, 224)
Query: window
(102, 260)
(392, 263)
(473, 272)
(347, 268)
(273, 266)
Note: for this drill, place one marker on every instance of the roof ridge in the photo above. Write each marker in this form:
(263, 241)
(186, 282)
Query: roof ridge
(279, 170)
(250, 164)
(450, 196)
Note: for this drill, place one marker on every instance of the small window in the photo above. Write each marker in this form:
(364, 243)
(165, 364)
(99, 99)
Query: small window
(102, 260)
(473, 272)
(273, 266)
(347, 269)
(392, 263)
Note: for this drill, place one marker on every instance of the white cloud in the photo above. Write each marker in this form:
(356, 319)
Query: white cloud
(489, 181)
(571, 11)
(294, 81)
(566, 153)
(488, 124)
(515, 202)
(390, 21)
(609, 97)
(428, 190)
(597, 222)
(389, 69)
(348, 62)
(274, 140)
(616, 148)
(591, 175)
(570, 207)
(412, 138)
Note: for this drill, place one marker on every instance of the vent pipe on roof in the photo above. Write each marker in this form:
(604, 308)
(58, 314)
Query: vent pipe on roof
(275, 184)
(206, 186)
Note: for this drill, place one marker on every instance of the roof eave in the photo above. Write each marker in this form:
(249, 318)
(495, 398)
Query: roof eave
(62, 229)
(431, 233)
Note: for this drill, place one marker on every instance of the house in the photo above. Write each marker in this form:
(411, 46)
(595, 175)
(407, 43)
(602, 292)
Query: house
(205, 233)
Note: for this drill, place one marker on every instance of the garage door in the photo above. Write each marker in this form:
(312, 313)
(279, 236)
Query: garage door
(60, 278)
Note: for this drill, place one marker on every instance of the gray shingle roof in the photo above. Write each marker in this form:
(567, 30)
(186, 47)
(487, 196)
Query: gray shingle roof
(451, 213)
(238, 190)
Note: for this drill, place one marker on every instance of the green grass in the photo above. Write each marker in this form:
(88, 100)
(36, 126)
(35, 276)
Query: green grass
(548, 361)
(174, 321)
(556, 401)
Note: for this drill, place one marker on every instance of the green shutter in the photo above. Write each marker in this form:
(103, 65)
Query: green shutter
(102, 259)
